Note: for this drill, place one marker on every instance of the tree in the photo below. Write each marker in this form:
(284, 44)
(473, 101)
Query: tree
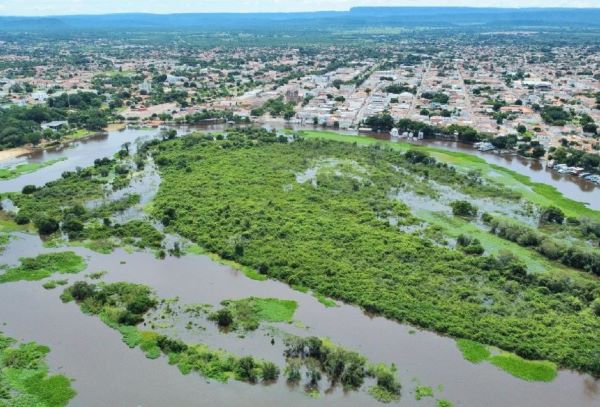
(270, 371)
(463, 209)
(82, 290)
(224, 317)
(246, 369)
(552, 214)
(538, 151)
(46, 226)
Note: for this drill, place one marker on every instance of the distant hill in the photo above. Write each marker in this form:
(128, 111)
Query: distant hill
(359, 16)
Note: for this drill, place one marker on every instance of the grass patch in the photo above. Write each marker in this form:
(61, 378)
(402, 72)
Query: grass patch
(328, 302)
(247, 314)
(44, 265)
(20, 169)
(530, 370)
(4, 239)
(473, 351)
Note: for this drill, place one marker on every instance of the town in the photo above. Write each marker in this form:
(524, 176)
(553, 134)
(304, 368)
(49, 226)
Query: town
(534, 101)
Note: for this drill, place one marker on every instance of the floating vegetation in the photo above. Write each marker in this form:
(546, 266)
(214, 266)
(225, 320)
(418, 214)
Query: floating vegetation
(530, 370)
(247, 314)
(52, 284)
(25, 379)
(126, 306)
(473, 351)
(43, 266)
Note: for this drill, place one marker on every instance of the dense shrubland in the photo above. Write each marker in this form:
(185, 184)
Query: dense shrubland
(569, 254)
(60, 208)
(239, 198)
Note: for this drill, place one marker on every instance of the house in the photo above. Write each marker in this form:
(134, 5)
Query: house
(54, 125)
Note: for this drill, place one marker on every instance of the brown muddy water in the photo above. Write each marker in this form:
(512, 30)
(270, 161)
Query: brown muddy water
(83, 153)
(106, 372)
(570, 186)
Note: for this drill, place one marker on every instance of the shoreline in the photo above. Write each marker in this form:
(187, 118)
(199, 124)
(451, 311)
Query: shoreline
(15, 152)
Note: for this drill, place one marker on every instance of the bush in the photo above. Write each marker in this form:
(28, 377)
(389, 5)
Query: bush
(463, 209)
(46, 226)
(21, 219)
(552, 214)
(596, 307)
(82, 290)
(29, 189)
(223, 317)
(270, 371)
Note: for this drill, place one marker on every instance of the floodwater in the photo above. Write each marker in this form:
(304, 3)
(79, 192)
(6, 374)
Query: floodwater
(107, 372)
(570, 186)
(83, 153)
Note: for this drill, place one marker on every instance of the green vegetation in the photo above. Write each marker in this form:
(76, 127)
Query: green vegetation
(340, 366)
(537, 193)
(52, 284)
(555, 115)
(4, 239)
(122, 306)
(536, 370)
(300, 213)
(328, 302)
(276, 108)
(531, 370)
(25, 379)
(60, 206)
(44, 265)
(17, 171)
(248, 313)
(22, 124)
(473, 351)
(423, 391)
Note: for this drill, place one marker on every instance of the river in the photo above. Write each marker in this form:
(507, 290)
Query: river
(107, 372)
(83, 153)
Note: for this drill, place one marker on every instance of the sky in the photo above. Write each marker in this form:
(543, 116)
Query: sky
(63, 7)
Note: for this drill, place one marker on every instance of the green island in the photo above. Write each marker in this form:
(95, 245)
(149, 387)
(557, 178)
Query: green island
(43, 266)
(20, 169)
(247, 314)
(25, 379)
(343, 220)
(124, 306)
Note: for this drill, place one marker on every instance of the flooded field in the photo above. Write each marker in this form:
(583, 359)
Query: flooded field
(107, 372)
(87, 350)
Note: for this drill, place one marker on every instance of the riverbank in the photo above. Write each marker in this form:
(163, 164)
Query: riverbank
(12, 153)
(539, 193)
